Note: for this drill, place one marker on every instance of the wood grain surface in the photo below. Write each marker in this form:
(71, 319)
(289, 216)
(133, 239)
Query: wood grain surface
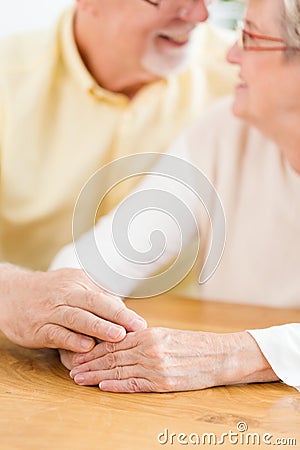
(41, 408)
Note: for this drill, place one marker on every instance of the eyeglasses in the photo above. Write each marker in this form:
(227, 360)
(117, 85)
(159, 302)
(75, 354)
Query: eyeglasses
(251, 42)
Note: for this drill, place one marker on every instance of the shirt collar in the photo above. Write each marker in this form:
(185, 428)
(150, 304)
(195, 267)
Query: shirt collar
(76, 66)
(78, 70)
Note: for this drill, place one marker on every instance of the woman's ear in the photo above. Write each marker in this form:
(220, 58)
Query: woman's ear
(87, 6)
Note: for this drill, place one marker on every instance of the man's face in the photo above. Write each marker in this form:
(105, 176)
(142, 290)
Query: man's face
(143, 37)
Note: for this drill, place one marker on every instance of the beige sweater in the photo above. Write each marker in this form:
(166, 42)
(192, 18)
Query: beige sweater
(260, 194)
(261, 198)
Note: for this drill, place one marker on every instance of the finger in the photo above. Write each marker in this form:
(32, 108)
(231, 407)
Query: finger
(118, 373)
(102, 349)
(130, 385)
(86, 323)
(53, 336)
(107, 362)
(66, 358)
(114, 310)
(108, 307)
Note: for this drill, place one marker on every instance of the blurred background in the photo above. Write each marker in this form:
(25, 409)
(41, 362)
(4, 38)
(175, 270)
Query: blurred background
(20, 15)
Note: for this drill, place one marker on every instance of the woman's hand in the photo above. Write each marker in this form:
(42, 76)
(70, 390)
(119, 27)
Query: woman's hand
(163, 360)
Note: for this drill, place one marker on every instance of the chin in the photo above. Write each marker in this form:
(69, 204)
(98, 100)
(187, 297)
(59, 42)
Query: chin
(162, 68)
(242, 112)
(239, 110)
(164, 64)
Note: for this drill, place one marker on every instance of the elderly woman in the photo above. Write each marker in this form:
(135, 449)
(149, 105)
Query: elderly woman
(253, 159)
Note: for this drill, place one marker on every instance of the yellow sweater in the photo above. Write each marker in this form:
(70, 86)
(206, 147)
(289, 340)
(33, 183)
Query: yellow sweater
(57, 126)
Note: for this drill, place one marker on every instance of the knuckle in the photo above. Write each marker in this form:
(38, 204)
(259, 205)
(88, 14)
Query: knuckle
(70, 317)
(118, 373)
(110, 347)
(68, 340)
(68, 279)
(62, 277)
(155, 351)
(92, 299)
(119, 313)
(95, 327)
(133, 385)
(61, 295)
(152, 335)
(80, 275)
(49, 302)
(52, 336)
(110, 361)
(161, 367)
(94, 381)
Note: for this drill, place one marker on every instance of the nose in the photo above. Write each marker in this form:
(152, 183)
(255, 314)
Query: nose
(194, 11)
(234, 54)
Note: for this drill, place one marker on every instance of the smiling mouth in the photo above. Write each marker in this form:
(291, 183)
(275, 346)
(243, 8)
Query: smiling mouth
(177, 39)
(242, 82)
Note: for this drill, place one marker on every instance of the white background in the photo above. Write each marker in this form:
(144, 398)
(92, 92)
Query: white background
(19, 15)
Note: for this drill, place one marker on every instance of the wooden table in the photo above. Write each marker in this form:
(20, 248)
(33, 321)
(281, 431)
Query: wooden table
(41, 408)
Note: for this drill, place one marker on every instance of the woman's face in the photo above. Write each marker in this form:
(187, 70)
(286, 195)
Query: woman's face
(269, 90)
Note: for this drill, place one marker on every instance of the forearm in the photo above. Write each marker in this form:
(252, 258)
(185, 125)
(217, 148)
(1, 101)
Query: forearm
(246, 363)
(9, 274)
(281, 347)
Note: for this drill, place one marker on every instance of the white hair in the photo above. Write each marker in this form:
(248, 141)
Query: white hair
(291, 22)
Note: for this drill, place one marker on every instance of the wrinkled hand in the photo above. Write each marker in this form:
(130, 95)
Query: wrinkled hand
(163, 360)
(157, 360)
(60, 309)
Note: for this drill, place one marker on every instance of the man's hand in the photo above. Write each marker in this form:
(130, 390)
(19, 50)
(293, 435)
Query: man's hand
(163, 360)
(60, 309)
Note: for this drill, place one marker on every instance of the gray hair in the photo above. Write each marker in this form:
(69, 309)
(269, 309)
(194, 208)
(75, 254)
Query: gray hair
(291, 22)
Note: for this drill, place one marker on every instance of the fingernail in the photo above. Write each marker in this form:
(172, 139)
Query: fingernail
(79, 359)
(79, 379)
(73, 372)
(86, 344)
(116, 332)
(139, 324)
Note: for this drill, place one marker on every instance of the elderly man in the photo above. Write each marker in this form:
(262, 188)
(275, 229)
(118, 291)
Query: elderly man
(107, 81)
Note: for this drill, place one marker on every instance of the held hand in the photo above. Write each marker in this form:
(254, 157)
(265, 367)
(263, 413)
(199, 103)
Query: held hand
(66, 358)
(162, 360)
(60, 309)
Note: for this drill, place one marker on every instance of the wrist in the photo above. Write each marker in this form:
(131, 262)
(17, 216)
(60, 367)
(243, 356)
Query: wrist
(248, 363)
(9, 274)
